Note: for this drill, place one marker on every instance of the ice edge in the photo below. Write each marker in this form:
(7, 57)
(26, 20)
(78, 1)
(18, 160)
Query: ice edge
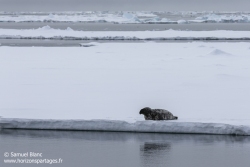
(113, 38)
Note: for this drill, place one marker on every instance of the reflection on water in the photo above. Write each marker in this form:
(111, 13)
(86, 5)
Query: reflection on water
(83, 148)
(151, 148)
(154, 154)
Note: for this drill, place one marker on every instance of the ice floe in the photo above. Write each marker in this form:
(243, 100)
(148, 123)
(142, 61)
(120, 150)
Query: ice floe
(123, 126)
(47, 32)
(113, 81)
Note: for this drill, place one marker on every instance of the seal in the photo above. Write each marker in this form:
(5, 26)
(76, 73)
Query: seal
(157, 114)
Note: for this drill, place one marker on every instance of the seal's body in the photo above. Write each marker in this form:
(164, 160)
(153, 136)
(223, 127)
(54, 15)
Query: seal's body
(157, 114)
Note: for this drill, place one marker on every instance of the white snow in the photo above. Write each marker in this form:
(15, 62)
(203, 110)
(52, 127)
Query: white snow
(198, 82)
(47, 32)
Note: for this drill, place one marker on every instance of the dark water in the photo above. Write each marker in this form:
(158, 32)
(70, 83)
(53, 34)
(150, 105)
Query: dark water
(76, 43)
(128, 5)
(113, 149)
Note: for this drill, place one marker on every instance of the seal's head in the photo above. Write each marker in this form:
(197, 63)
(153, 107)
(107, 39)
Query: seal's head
(145, 111)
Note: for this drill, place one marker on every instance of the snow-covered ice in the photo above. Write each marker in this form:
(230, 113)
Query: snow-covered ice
(47, 32)
(232, 18)
(204, 84)
(123, 126)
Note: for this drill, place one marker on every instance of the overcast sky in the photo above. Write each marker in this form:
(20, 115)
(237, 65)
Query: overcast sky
(132, 5)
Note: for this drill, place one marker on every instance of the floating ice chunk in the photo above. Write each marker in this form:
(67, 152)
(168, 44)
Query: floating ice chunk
(45, 28)
(69, 29)
(182, 22)
(157, 19)
(165, 20)
(209, 17)
(145, 14)
(130, 17)
(51, 15)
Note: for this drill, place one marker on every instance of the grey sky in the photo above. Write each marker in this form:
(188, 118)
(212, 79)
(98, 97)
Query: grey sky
(132, 5)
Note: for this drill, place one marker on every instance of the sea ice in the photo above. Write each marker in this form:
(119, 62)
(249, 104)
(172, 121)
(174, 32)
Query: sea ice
(113, 81)
(137, 17)
(123, 126)
(47, 32)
